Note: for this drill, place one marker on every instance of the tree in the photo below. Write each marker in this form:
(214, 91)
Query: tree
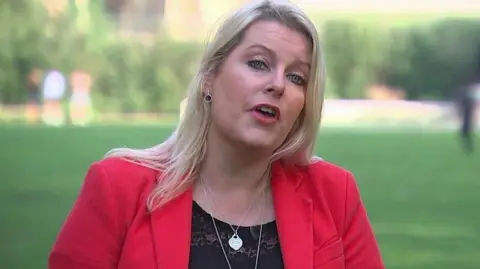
(354, 55)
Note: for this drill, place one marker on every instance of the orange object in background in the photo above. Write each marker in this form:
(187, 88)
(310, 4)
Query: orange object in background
(80, 101)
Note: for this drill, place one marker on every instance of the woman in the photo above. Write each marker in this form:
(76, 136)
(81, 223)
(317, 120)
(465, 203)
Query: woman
(236, 185)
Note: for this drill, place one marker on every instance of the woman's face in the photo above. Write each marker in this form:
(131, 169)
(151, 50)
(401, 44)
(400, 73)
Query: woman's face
(259, 90)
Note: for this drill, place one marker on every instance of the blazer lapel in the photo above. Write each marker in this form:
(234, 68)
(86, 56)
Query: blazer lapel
(294, 218)
(171, 228)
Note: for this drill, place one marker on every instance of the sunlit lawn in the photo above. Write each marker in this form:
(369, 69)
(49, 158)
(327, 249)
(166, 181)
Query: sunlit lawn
(421, 191)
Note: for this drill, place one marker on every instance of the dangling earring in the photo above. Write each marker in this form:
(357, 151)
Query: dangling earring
(208, 97)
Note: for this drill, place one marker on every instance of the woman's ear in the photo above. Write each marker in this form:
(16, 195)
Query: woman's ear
(208, 83)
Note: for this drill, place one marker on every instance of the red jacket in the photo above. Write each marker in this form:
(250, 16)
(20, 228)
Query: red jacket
(321, 220)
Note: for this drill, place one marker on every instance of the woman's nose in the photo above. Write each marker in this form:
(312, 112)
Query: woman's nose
(278, 83)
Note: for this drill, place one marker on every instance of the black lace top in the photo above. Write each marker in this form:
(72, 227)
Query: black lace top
(205, 250)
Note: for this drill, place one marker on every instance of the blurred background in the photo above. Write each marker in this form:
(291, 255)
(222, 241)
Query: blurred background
(79, 77)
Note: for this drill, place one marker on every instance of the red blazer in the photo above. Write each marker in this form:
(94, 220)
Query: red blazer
(321, 220)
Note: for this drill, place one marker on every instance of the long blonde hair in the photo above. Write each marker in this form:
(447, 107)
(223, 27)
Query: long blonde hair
(180, 155)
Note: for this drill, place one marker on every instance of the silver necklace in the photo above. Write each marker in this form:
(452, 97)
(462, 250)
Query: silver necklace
(220, 239)
(235, 242)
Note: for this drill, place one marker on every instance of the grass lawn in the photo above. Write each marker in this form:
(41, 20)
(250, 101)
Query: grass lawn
(421, 191)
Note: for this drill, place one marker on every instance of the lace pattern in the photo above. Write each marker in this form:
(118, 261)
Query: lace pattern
(204, 242)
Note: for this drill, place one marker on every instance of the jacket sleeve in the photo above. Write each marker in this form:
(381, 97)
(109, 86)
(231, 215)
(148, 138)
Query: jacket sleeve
(360, 245)
(90, 237)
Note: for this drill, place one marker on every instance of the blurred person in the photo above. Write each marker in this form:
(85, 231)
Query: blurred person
(466, 105)
(54, 88)
(34, 101)
(236, 185)
(80, 104)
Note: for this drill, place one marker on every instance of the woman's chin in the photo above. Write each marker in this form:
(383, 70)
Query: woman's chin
(260, 144)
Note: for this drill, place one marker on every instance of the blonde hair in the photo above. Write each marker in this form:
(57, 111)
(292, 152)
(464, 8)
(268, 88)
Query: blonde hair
(180, 155)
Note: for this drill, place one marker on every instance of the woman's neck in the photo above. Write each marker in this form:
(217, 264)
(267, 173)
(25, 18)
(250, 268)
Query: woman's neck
(235, 190)
(233, 180)
(225, 168)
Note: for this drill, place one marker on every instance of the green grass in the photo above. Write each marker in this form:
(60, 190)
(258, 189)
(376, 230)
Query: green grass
(421, 191)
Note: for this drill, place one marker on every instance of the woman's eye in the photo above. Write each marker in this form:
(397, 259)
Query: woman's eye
(257, 64)
(296, 79)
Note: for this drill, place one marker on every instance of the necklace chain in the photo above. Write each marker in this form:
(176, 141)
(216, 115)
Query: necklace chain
(218, 234)
(235, 230)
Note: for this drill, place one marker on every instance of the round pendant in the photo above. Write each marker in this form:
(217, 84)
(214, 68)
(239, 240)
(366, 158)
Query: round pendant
(235, 242)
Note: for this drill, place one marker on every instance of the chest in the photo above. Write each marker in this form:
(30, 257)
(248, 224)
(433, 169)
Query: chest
(200, 248)
(213, 244)
(208, 247)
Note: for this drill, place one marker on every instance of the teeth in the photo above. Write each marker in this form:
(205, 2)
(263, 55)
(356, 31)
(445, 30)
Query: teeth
(267, 110)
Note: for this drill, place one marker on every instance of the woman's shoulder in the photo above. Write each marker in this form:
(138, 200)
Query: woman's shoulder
(121, 176)
(124, 166)
(332, 187)
(331, 181)
(323, 172)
